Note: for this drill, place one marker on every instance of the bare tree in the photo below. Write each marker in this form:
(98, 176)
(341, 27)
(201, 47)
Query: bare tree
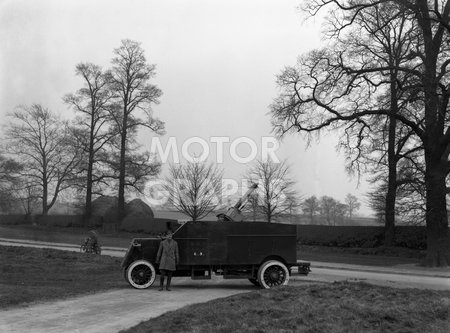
(27, 195)
(333, 88)
(332, 210)
(17, 193)
(376, 200)
(129, 81)
(275, 186)
(9, 180)
(293, 203)
(311, 207)
(339, 212)
(194, 188)
(352, 204)
(43, 145)
(387, 40)
(327, 208)
(93, 131)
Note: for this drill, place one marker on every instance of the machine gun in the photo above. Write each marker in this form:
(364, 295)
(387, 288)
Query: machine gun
(234, 213)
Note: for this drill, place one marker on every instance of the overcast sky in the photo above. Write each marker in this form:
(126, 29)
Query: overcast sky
(216, 64)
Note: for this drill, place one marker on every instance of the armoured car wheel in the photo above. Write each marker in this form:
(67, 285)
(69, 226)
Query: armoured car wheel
(273, 273)
(255, 282)
(140, 274)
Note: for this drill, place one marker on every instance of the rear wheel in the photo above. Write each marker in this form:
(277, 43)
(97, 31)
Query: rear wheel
(273, 273)
(140, 274)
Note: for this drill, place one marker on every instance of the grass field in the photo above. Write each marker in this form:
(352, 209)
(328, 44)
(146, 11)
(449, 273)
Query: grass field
(30, 275)
(338, 307)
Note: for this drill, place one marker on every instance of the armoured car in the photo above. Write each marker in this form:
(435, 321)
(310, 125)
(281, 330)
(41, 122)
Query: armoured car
(264, 253)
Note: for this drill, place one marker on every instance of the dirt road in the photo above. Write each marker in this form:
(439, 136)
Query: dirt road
(115, 310)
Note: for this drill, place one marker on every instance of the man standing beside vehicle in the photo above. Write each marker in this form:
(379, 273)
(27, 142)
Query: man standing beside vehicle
(167, 258)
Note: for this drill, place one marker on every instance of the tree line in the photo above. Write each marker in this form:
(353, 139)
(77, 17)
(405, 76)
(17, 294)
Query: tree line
(333, 211)
(44, 155)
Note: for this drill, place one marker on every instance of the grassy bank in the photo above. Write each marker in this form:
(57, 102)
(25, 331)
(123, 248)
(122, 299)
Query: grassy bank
(338, 307)
(30, 275)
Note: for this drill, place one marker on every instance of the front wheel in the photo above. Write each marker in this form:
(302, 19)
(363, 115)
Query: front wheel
(273, 273)
(140, 274)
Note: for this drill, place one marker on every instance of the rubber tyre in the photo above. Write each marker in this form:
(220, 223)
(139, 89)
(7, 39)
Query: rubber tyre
(140, 274)
(273, 273)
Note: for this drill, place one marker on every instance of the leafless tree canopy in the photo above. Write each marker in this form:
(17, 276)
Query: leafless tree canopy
(38, 140)
(352, 203)
(194, 188)
(276, 193)
(92, 128)
(133, 97)
(311, 207)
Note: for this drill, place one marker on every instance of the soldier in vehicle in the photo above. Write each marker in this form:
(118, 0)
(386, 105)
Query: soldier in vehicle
(167, 258)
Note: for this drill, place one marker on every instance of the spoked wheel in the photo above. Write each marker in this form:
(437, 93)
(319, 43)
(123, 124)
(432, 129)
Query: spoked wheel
(140, 274)
(273, 273)
(255, 282)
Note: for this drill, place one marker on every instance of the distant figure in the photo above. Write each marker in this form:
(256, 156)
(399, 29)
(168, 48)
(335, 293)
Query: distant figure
(93, 236)
(167, 258)
(91, 243)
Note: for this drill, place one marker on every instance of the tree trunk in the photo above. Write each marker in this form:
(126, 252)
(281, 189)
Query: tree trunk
(435, 144)
(438, 251)
(88, 202)
(389, 226)
(44, 202)
(44, 197)
(122, 168)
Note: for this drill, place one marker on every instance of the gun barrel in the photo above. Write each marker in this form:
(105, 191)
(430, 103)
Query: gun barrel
(242, 201)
